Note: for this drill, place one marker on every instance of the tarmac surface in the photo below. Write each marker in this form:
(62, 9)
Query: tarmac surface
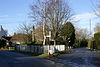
(12, 59)
(80, 57)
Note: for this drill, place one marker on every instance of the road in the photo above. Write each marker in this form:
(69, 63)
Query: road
(80, 57)
(11, 59)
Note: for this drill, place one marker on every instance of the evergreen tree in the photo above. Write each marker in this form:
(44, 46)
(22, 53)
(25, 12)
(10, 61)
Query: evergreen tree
(68, 33)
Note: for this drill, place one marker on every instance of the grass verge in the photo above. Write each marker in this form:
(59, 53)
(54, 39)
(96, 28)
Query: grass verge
(41, 54)
(44, 55)
(6, 49)
(54, 54)
(93, 49)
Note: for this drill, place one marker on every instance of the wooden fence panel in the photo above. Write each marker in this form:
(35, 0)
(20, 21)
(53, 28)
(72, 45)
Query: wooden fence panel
(40, 49)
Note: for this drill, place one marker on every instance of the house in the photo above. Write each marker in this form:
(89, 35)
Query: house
(3, 33)
(37, 34)
(18, 38)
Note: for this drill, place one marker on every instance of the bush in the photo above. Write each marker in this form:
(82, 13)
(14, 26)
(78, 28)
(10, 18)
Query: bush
(35, 43)
(60, 41)
(83, 43)
(23, 43)
(97, 40)
(32, 43)
(89, 44)
(2, 43)
(80, 43)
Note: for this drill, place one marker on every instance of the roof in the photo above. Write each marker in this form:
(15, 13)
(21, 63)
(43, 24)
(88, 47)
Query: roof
(18, 37)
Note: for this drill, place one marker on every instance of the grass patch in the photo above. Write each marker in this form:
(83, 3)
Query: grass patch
(44, 55)
(97, 49)
(6, 49)
(64, 52)
(54, 54)
(61, 52)
(93, 49)
(41, 54)
(49, 55)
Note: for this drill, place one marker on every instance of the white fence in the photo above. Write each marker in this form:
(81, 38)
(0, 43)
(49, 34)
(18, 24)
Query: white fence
(40, 49)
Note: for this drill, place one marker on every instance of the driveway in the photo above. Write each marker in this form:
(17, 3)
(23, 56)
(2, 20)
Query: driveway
(12, 59)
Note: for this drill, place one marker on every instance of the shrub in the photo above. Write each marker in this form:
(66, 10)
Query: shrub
(32, 43)
(60, 41)
(76, 44)
(89, 44)
(80, 43)
(83, 43)
(35, 43)
(97, 40)
(2, 43)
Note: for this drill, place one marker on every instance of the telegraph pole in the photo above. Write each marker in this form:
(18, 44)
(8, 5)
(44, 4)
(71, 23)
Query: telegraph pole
(90, 29)
(90, 35)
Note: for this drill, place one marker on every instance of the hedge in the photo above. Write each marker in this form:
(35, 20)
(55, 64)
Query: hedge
(97, 40)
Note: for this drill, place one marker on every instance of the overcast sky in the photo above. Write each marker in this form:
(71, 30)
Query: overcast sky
(15, 12)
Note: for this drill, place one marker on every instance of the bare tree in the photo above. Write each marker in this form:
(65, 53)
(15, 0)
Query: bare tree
(53, 13)
(81, 33)
(97, 12)
(96, 7)
(26, 30)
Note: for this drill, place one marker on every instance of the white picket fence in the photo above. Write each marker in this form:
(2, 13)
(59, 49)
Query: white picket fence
(40, 49)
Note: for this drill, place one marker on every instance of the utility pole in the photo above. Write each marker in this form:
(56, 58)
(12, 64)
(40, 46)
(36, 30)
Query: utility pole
(90, 36)
(90, 29)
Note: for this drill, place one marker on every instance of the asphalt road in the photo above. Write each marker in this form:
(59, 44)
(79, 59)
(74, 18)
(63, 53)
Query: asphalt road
(77, 58)
(81, 57)
(11, 59)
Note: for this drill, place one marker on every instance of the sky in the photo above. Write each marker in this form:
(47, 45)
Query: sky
(15, 12)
